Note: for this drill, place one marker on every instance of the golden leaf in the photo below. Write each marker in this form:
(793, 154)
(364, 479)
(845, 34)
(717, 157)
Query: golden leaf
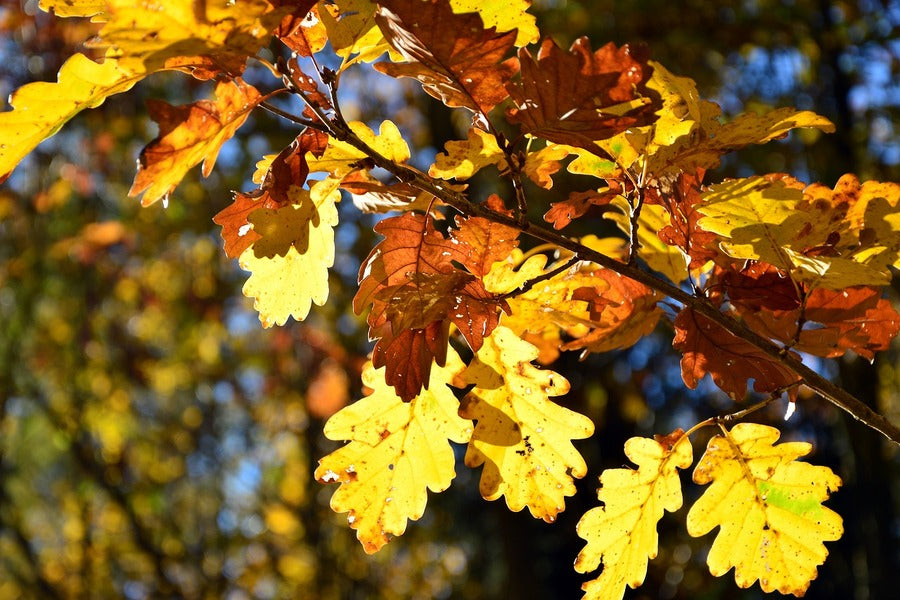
(73, 8)
(505, 15)
(188, 135)
(286, 285)
(522, 438)
(462, 159)
(42, 108)
(621, 534)
(203, 39)
(668, 260)
(768, 507)
(396, 452)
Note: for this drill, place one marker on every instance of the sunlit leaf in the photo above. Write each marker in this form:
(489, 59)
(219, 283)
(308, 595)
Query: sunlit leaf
(466, 68)
(505, 15)
(41, 108)
(521, 437)
(188, 135)
(396, 452)
(621, 534)
(286, 285)
(732, 361)
(768, 507)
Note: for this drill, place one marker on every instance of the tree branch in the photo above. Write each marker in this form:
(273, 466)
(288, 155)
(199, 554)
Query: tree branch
(828, 390)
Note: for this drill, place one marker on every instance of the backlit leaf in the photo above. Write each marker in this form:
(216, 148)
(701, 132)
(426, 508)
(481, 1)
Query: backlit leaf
(577, 97)
(188, 135)
(204, 39)
(285, 286)
(505, 15)
(768, 507)
(521, 437)
(668, 260)
(621, 534)
(73, 8)
(416, 291)
(732, 361)
(396, 452)
(621, 312)
(351, 29)
(42, 108)
(825, 238)
(462, 159)
(455, 58)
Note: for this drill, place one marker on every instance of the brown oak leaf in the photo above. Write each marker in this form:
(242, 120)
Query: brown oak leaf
(683, 231)
(190, 134)
(732, 361)
(621, 313)
(486, 240)
(578, 204)
(415, 289)
(287, 169)
(455, 58)
(577, 97)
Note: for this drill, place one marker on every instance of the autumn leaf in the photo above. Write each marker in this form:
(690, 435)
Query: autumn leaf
(462, 159)
(484, 241)
(768, 507)
(828, 323)
(660, 256)
(286, 285)
(396, 451)
(683, 229)
(825, 238)
(549, 308)
(372, 196)
(732, 361)
(620, 313)
(277, 176)
(621, 534)
(455, 58)
(351, 29)
(73, 8)
(213, 38)
(42, 108)
(521, 437)
(577, 97)
(416, 291)
(540, 165)
(505, 15)
(577, 204)
(188, 135)
(704, 146)
(341, 158)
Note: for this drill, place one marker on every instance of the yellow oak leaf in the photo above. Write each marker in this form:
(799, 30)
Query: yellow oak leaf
(505, 15)
(285, 285)
(521, 437)
(768, 507)
(825, 238)
(42, 108)
(396, 452)
(203, 39)
(188, 135)
(705, 144)
(73, 8)
(542, 164)
(351, 29)
(462, 159)
(621, 534)
(340, 158)
(548, 307)
(668, 260)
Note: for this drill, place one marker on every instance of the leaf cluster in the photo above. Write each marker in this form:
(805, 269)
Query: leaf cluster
(761, 269)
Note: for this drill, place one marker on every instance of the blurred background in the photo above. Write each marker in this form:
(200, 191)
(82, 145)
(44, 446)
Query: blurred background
(156, 442)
